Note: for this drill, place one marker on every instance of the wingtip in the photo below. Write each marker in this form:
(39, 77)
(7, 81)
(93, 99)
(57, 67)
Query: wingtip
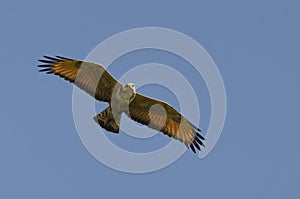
(46, 61)
(51, 58)
(193, 148)
(63, 58)
(200, 136)
(197, 145)
(45, 70)
(44, 65)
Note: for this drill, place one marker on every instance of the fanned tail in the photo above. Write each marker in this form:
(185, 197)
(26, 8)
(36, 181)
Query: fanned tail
(109, 121)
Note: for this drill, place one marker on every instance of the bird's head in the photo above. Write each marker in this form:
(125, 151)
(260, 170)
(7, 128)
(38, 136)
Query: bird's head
(128, 91)
(129, 87)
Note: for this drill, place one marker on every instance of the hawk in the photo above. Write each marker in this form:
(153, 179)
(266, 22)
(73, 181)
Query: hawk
(96, 81)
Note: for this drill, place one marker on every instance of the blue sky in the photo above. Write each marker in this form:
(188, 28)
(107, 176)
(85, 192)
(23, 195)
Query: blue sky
(255, 45)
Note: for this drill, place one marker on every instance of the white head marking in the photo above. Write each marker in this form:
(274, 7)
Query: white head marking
(131, 85)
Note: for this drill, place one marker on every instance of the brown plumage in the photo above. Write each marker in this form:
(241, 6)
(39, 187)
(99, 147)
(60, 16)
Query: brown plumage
(97, 82)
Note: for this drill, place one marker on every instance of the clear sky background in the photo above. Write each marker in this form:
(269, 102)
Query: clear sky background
(256, 46)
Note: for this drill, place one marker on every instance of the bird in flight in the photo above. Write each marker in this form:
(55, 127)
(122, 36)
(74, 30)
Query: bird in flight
(96, 81)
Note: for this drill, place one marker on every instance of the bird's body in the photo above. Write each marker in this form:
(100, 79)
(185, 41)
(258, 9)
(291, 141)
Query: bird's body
(121, 97)
(97, 82)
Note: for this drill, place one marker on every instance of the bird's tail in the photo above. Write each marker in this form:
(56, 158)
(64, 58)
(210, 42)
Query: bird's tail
(109, 120)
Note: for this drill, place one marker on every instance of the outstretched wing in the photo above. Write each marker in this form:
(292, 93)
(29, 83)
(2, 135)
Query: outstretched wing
(90, 77)
(169, 121)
